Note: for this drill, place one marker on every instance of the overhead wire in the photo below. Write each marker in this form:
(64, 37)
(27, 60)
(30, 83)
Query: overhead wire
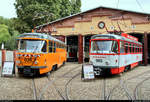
(118, 3)
(140, 5)
(117, 20)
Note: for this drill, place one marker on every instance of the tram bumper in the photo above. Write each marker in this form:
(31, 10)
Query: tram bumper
(103, 70)
(30, 70)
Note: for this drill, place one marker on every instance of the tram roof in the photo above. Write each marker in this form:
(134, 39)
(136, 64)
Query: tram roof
(114, 36)
(39, 35)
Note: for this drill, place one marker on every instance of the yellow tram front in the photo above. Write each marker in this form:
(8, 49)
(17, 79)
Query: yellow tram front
(39, 53)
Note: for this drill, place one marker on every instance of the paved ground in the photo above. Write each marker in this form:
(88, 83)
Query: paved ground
(66, 84)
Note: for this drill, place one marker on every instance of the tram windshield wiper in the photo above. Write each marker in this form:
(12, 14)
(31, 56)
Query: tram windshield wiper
(35, 49)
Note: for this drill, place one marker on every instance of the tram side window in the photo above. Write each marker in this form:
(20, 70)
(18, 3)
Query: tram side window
(114, 47)
(65, 47)
(54, 47)
(140, 49)
(126, 47)
(122, 47)
(134, 48)
(58, 45)
(137, 48)
(50, 46)
(130, 48)
(44, 48)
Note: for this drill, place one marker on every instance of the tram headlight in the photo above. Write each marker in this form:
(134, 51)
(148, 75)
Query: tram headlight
(107, 63)
(18, 55)
(36, 55)
(18, 62)
(36, 62)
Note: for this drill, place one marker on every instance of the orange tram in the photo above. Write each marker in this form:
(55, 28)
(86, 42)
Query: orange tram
(39, 53)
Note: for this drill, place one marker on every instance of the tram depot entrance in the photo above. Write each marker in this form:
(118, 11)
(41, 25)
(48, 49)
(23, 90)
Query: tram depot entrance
(72, 48)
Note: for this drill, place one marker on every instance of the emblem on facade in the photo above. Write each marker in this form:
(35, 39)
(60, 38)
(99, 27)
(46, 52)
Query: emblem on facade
(101, 25)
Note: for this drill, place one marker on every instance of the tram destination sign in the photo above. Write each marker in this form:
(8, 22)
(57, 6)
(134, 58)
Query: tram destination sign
(8, 69)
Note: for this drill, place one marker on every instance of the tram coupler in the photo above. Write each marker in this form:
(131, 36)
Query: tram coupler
(97, 71)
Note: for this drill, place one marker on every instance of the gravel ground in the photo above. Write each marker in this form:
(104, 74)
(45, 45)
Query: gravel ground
(15, 89)
(60, 84)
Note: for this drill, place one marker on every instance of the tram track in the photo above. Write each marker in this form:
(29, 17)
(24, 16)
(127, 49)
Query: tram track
(34, 89)
(108, 91)
(122, 85)
(52, 82)
(104, 89)
(59, 93)
(123, 89)
(67, 84)
(136, 92)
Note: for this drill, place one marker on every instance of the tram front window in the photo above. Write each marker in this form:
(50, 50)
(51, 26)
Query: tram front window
(32, 46)
(102, 46)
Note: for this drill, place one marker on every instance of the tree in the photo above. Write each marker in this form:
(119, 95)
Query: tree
(37, 12)
(76, 5)
(8, 33)
(4, 33)
(65, 8)
(11, 44)
(20, 25)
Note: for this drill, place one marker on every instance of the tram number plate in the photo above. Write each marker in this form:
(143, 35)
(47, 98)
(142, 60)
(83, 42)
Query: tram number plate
(99, 60)
(27, 70)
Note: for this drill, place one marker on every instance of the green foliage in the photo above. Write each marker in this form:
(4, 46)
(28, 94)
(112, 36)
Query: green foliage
(37, 12)
(8, 33)
(65, 8)
(20, 25)
(76, 5)
(11, 44)
(4, 33)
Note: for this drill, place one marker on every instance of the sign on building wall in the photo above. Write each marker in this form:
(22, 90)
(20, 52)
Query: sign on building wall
(8, 69)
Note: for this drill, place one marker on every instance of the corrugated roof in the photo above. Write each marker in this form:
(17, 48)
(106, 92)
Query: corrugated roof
(91, 10)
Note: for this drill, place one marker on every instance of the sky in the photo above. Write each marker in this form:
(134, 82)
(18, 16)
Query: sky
(7, 8)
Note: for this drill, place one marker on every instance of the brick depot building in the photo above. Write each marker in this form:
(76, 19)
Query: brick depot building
(76, 30)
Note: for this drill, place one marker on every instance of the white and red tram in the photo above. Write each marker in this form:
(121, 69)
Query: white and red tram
(113, 54)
